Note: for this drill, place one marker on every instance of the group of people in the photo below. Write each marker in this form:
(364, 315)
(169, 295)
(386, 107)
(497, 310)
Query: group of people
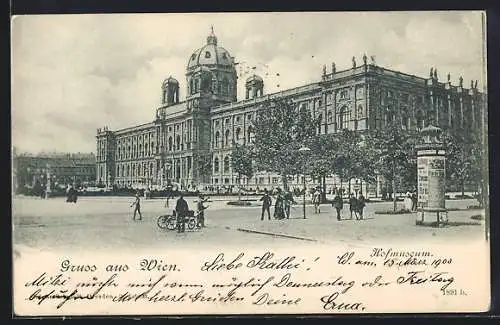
(284, 201)
(181, 211)
(411, 200)
(282, 204)
(356, 205)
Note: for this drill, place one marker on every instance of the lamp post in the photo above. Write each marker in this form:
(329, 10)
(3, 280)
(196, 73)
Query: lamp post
(47, 188)
(304, 150)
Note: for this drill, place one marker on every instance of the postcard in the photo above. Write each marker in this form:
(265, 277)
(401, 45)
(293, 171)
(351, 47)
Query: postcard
(250, 163)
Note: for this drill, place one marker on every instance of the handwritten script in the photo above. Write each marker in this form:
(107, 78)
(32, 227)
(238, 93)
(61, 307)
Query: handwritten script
(343, 281)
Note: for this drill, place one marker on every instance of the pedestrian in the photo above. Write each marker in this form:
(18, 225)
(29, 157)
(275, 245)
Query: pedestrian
(169, 192)
(137, 206)
(288, 200)
(353, 203)
(316, 200)
(266, 204)
(414, 201)
(338, 204)
(279, 211)
(361, 202)
(201, 211)
(182, 210)
(408, 202)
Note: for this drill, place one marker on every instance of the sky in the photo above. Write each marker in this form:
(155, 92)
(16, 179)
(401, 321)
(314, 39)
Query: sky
(72, 74)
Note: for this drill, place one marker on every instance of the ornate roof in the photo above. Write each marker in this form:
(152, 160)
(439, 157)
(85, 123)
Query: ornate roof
(210, 54)
(254, 77)
(170, 80)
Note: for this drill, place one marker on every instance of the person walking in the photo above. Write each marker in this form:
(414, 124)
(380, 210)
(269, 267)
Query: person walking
(361, 202)
(137, 206)
(338, 204)
(201, 211)
(266, 204)
(279, 211)
(288, 200)
(316, 200)
(414, 201)
(182, 210)
(353, 202)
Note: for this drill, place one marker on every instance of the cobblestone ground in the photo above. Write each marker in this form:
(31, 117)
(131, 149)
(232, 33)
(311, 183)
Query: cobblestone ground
(101, 223)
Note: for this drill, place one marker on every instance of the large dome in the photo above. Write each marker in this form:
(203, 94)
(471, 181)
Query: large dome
(210, 54)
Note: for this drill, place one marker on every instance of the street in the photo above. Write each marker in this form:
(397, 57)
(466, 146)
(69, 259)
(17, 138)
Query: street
(105, 223)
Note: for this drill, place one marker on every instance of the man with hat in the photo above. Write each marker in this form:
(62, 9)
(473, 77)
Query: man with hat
(137, 204)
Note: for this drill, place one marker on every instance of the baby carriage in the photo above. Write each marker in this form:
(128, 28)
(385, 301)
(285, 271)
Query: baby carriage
(169, 221)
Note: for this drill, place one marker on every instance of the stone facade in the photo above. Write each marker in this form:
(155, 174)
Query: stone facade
(190, 142)
(62, 168)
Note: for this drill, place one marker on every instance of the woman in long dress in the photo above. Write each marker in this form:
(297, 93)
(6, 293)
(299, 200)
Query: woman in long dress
(408, 202)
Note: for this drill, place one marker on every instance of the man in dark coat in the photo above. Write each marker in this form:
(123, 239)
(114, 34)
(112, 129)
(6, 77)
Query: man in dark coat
(353, 202)
(338, 204)
(182, 210)
(266, 204)
(288, 199)
(361, 202)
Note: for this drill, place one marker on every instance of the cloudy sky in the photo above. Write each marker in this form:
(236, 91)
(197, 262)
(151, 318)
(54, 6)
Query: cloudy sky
(72, 74)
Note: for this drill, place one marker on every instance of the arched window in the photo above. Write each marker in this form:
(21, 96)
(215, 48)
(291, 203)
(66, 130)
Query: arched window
(170, 144)
(151, 169)
(360, 111)
(238, 134)
(224, 86)
(330, 117)
(217, 139)
(178, 142)
(141, 153)
(196, 85)
(118, 170)
(191, 86)
(146, 150)
(226, 138)
(139, 170)
(226, 164)
(250, 134)
(216, 165)
(343, 118)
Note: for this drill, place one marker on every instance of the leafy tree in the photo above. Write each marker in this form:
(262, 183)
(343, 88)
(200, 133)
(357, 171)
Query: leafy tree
(459, 159)
(395, 152)
(242, 163)
(280, 130)
(204, 164)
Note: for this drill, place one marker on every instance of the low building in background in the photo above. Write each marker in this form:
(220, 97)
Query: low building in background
(30, 172)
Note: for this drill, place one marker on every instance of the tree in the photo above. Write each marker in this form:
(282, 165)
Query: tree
(204, 165)
(459, 159)
(280, 130)
(395, 152)
(242, 163)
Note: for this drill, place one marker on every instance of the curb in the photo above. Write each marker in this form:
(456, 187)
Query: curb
(275, 234)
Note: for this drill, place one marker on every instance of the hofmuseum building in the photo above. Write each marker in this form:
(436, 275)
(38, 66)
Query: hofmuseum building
(189, 142)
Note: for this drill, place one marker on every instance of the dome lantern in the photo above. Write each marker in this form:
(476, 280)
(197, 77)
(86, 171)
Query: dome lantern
(212, 39)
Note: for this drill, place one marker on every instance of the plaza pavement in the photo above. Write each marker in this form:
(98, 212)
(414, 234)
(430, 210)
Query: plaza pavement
(99, 223)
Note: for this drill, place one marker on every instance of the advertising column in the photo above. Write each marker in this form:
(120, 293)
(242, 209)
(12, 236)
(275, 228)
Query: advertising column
(431, 173)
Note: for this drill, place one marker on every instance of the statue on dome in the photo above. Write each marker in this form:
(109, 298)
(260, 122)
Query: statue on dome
(334, 69)
(461, 81)
(364, 59)
(353, 62)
